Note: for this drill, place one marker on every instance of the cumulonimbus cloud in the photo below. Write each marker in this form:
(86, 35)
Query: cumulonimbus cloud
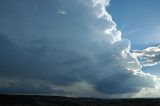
(84, 56)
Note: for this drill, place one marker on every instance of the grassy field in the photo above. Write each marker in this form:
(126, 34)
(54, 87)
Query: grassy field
(34, 100)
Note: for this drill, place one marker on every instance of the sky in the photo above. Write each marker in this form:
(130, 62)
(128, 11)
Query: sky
(80, 48)
(138, 20)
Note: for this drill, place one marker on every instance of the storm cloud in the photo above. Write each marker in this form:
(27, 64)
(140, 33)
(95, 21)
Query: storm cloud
(80, 53)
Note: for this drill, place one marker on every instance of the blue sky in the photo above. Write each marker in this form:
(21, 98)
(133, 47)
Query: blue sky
(138, 20)
(80, 48)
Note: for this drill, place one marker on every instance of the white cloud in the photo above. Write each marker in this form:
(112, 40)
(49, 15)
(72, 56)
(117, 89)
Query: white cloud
(127, 59)
(149, 56)
(61, 12)
(99, 8)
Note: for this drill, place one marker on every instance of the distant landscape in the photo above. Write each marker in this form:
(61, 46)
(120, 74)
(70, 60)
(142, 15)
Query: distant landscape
(37, 100)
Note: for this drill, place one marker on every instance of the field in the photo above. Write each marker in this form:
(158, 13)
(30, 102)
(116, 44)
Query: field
(35, 100)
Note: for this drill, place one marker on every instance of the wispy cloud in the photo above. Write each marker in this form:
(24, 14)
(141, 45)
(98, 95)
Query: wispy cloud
(61, 12)
(130, 32)
(149, 56)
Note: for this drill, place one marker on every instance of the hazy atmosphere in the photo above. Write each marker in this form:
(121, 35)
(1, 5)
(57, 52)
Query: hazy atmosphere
(80, 48)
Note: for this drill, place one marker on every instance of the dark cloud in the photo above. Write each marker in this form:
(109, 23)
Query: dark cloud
(76, 57)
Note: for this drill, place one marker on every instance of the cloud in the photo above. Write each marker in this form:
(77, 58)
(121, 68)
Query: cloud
(130, 32)
(82, 55)
(148, 93)
(61, 12)
(149, 56)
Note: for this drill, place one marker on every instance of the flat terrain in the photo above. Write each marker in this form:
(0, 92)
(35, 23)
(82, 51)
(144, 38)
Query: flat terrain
(34, 100)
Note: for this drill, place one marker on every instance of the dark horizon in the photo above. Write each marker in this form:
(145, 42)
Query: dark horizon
(24, 100)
